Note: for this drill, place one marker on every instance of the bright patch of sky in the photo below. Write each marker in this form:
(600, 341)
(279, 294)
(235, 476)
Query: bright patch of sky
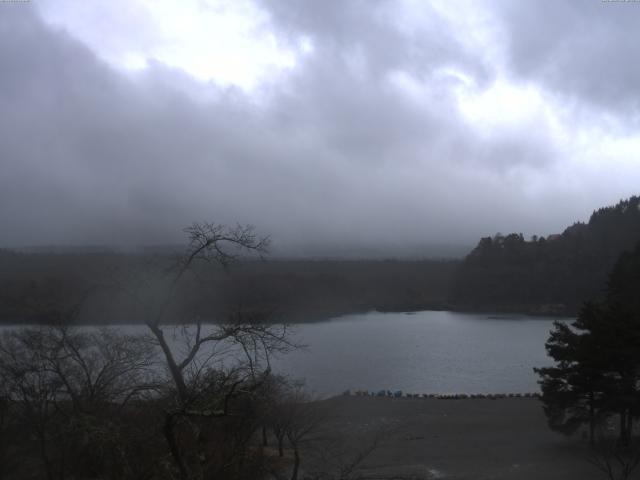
(233, 43)
(227, 42)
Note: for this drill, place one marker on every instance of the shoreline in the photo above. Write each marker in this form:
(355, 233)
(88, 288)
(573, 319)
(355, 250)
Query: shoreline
(319, 317)
(399, 394)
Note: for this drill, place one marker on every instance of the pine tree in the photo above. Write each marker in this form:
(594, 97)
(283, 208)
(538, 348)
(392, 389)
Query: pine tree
(597, 358)
(574, 389)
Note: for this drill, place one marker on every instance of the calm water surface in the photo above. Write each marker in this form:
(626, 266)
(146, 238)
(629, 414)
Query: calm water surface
(423, 352)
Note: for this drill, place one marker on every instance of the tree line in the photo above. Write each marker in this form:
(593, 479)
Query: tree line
(595, 378)
(547, 275)
(34, 286)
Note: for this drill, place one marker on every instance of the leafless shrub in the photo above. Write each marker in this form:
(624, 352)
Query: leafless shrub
(66, 388)
(614, 459)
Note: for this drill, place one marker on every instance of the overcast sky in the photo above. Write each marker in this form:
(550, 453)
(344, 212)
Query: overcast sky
(366, 122)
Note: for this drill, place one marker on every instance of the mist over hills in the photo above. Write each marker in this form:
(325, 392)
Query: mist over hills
(551, 275)
(282, 251)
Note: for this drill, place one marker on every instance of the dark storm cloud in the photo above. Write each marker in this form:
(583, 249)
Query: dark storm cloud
(361, 143)
(587, 51)
(353, 87)
(372, 29)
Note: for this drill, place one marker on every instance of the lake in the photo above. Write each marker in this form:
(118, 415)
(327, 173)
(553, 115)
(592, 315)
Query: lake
(421, 352)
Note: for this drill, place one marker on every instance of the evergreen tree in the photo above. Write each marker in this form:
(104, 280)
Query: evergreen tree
(574, 389)
(597, 358)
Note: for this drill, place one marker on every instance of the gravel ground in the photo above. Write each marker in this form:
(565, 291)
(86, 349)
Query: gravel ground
(458, 439)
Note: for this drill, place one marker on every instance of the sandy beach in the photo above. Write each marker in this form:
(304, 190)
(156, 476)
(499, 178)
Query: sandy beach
(461, 439)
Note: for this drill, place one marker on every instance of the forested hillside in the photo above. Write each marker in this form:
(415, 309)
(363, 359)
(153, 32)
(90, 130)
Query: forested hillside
(547, 275)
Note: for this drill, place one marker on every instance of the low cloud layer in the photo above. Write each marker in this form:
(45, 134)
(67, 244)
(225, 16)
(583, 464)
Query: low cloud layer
(394, 126)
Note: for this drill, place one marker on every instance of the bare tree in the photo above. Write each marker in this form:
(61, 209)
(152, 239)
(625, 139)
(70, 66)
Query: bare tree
(217, 244)
(4, 421)
(307, 418)
(65, 387)
(618, 461)
(32, 387)
(211, 366)
(341, 454)
(294, 415)
(277, 417)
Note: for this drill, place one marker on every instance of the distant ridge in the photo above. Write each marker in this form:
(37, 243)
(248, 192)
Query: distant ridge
(83, 249)
(277, 251)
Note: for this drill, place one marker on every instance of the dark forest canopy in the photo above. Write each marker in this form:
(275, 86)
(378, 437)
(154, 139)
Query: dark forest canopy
(548, 275)
(41, 287)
